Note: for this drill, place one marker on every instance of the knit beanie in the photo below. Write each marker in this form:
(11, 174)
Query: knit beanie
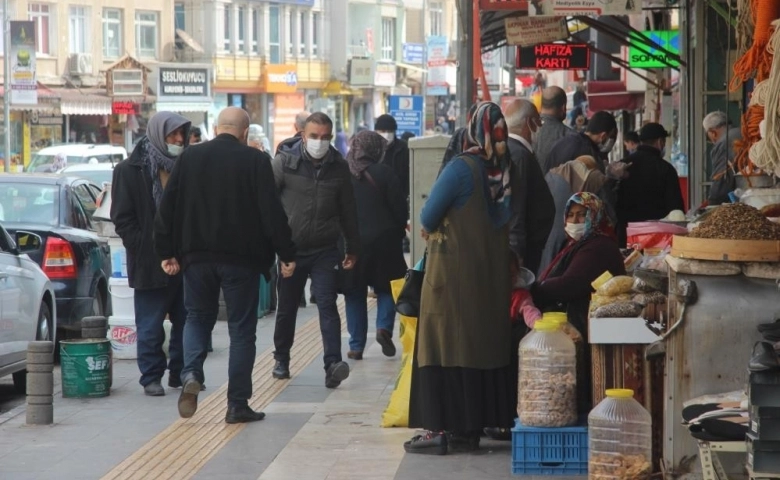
(385, 123)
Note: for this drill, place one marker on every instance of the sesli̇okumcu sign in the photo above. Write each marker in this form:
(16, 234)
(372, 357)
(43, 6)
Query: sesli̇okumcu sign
(184, 82)
(554, 56)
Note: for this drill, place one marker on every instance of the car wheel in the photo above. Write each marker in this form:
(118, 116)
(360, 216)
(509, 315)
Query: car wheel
(44, 331)
(98, 304)
(20, 382)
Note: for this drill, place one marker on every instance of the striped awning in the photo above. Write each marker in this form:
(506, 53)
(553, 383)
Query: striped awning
(84, 101)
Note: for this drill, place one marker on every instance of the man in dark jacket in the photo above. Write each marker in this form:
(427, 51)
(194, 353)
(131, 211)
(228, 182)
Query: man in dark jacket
(397, 152)
(723, 136)
(553, 129)
(533, 206)
(597, 139)
(316, 190)
(136, 191)
(652, 188)
(221, 227)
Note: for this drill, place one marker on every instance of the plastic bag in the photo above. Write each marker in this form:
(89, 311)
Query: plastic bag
(397, 412)
(616, 286)
(619, 310)
(642, 235)
(598, 301)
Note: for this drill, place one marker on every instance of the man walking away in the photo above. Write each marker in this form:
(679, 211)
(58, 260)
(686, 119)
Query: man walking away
(136, 192)
(720, 133)
(553, 129)
(397, 152)
(597, 139)
(316, 190)
(532, 202)
(220, 222)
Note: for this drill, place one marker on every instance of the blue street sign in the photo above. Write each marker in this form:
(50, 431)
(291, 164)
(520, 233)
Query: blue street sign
(408, 113)
(413, 53)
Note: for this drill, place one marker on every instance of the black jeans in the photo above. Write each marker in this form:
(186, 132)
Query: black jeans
(324, 271)
(241, 287)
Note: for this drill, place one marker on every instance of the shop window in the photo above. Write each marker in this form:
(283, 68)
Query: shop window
(78, 22)
(290, 24)
(241, 28)
(302, 33)
(255, 30)
(146, 34)
(112, 32)
(388, 38)
(315, 34)
(436, 14)
(127, 82)
(226, 27)
(41, 14)
(179, 17)
(275, 34)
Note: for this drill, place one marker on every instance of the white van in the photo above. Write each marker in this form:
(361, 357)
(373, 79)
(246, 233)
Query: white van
(77, 153)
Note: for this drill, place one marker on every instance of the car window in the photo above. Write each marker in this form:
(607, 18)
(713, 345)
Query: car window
(95, 190)
(30, 203)
(5, 241)
(85, 198)
(77, 217)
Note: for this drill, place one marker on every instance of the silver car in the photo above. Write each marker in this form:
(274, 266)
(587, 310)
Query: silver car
(27, 306)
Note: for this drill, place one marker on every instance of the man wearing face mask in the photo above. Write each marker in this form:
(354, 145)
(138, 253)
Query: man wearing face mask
(631, 142)
(315, 185)
(553, 129)
(397, 153)
(652, 188)
(597, 140)
(532, 203)
(137, 189)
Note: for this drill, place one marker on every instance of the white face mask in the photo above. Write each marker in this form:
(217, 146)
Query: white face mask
(575, 230)
(317, 149)
(607, 146)
(175, 150)
(389, 136)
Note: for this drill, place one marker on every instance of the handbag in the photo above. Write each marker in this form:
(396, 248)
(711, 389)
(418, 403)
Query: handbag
(408, 302)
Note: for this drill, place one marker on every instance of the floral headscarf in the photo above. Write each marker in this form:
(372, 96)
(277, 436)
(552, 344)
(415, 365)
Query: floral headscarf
(596, 220)
(488, 134)
(366, 148)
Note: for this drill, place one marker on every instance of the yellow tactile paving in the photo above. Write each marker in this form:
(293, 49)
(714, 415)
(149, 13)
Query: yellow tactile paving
(183, 448)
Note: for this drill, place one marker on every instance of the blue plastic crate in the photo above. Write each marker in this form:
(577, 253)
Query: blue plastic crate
(549, 451)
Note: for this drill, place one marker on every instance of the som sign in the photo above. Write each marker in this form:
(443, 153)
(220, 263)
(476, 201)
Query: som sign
(554, 56)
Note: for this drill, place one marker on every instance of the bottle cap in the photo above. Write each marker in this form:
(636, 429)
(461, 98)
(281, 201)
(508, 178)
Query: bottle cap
(620, 393)
(546, 326)
(557, 317)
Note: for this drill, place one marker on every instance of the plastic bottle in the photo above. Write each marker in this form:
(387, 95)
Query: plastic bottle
(620, 438)
(547, 388)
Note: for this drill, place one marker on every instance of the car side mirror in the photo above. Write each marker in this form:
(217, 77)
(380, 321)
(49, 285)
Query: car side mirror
(27, 241)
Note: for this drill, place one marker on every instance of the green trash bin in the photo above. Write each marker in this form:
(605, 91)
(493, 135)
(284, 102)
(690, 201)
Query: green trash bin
(264, 306)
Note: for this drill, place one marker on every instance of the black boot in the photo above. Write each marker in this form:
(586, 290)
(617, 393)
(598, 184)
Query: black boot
(281, 369)
(243, 415)
(429, 443)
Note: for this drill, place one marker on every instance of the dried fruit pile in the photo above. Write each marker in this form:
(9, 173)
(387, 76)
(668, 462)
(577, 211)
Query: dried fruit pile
(737, 222)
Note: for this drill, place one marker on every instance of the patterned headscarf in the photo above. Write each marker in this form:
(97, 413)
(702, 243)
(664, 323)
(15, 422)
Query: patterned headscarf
(596, 221)
(366, 148)
(488, 134)
(60, 162)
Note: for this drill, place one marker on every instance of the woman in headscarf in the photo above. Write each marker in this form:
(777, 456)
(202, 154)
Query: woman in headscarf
(565, 285)
(461, 374)
(59, 163)
(382, 214)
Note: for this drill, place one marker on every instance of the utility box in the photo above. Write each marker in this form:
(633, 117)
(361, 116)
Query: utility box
(425, 155)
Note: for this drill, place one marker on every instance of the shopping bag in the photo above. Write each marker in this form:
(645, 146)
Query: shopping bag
(397, 412)
(408, 299)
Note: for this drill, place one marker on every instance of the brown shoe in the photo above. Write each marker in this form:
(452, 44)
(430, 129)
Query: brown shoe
(355, 355)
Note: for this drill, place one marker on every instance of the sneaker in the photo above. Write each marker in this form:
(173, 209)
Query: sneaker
(355, 355)
(385, 338)
(281, 369)
(336, 373)
(242, 415)
(429, 443)
(188, 399)
(154, 389)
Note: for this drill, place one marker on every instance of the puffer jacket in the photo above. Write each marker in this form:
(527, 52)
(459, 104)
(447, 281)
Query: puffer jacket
(319, 202)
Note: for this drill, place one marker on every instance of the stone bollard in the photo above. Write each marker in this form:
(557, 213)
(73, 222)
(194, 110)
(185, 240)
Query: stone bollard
(94, 327)
(40, 383)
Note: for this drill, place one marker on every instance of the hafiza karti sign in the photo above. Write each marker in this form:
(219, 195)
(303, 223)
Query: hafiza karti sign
(24, 86)
(184, 82)
(554, 56)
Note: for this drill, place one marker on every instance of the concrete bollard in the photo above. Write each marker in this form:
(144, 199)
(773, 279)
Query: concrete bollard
(94, 327)
(40, 383)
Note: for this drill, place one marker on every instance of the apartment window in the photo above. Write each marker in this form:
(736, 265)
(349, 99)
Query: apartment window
(275, 37)
(388, 38)
(241, 27)
(436, 14)
(227, 27)
(315, 34)
(112, 32)
(302, 33)
(290, 23)
(179, 17)
(146, 34)
(40, 13)
(255, 30)
(78, 39)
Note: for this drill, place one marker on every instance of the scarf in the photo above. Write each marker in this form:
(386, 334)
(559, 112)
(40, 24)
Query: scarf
(487, 135)
(155, 149)
(366, 148)
(581, 174)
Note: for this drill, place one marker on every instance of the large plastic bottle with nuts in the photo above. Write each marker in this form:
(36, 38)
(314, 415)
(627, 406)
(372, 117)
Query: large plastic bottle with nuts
(547, 386)
(620, 438)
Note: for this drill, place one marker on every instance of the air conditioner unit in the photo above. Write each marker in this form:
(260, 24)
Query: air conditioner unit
(80, 64)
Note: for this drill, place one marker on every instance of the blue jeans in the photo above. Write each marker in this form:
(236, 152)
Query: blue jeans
(323, 269)
(241, 287)
(151, 307)
(357, 316)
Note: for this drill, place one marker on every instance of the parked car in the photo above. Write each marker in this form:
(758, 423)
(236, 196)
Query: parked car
(98, 173)
(59, 209)
(27, 306)
(77, 154)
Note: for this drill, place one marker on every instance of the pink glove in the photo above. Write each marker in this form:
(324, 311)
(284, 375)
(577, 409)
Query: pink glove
(527, 308)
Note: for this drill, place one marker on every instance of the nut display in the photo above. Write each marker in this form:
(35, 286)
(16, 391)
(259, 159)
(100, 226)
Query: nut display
(618, 310)
(737, 222)
(615, 466)
(616, 286)
(545, 398)
(645, 299)
(597, 301)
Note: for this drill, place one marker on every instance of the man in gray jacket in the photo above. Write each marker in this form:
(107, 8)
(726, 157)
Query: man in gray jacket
(315, 186)
(553, 129)
(720, 133)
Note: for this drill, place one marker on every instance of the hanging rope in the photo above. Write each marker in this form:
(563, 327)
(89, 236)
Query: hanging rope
(745, 26)
(755, 59)
(750, 136)
(767, 156)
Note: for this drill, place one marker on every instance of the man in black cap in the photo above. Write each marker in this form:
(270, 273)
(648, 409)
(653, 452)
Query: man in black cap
(597, 140)
(652, 188)
(397, 152)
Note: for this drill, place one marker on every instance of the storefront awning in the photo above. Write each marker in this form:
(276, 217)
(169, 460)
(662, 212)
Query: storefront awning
(83, 101)
(182, 107)
(47, 100)
(611, 95)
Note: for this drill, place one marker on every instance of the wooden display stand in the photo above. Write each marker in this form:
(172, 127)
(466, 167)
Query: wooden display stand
(726, 250)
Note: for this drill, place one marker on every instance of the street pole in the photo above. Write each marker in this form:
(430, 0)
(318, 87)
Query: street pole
(424, 88)
(7, 86)
(465, 54)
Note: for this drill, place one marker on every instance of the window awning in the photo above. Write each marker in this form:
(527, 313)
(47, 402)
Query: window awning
(611, 95)
(183, 107)
(84, 101)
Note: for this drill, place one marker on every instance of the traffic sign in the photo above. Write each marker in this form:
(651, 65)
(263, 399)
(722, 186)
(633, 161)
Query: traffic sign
(408, 113)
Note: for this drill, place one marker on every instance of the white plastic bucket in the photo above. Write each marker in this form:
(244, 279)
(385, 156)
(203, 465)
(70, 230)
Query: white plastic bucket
(122, 298)
(118, 258)
(124, 338)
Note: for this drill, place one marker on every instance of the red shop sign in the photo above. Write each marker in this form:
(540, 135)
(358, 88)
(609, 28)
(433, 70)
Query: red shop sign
(124, 108)
(554, 56)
